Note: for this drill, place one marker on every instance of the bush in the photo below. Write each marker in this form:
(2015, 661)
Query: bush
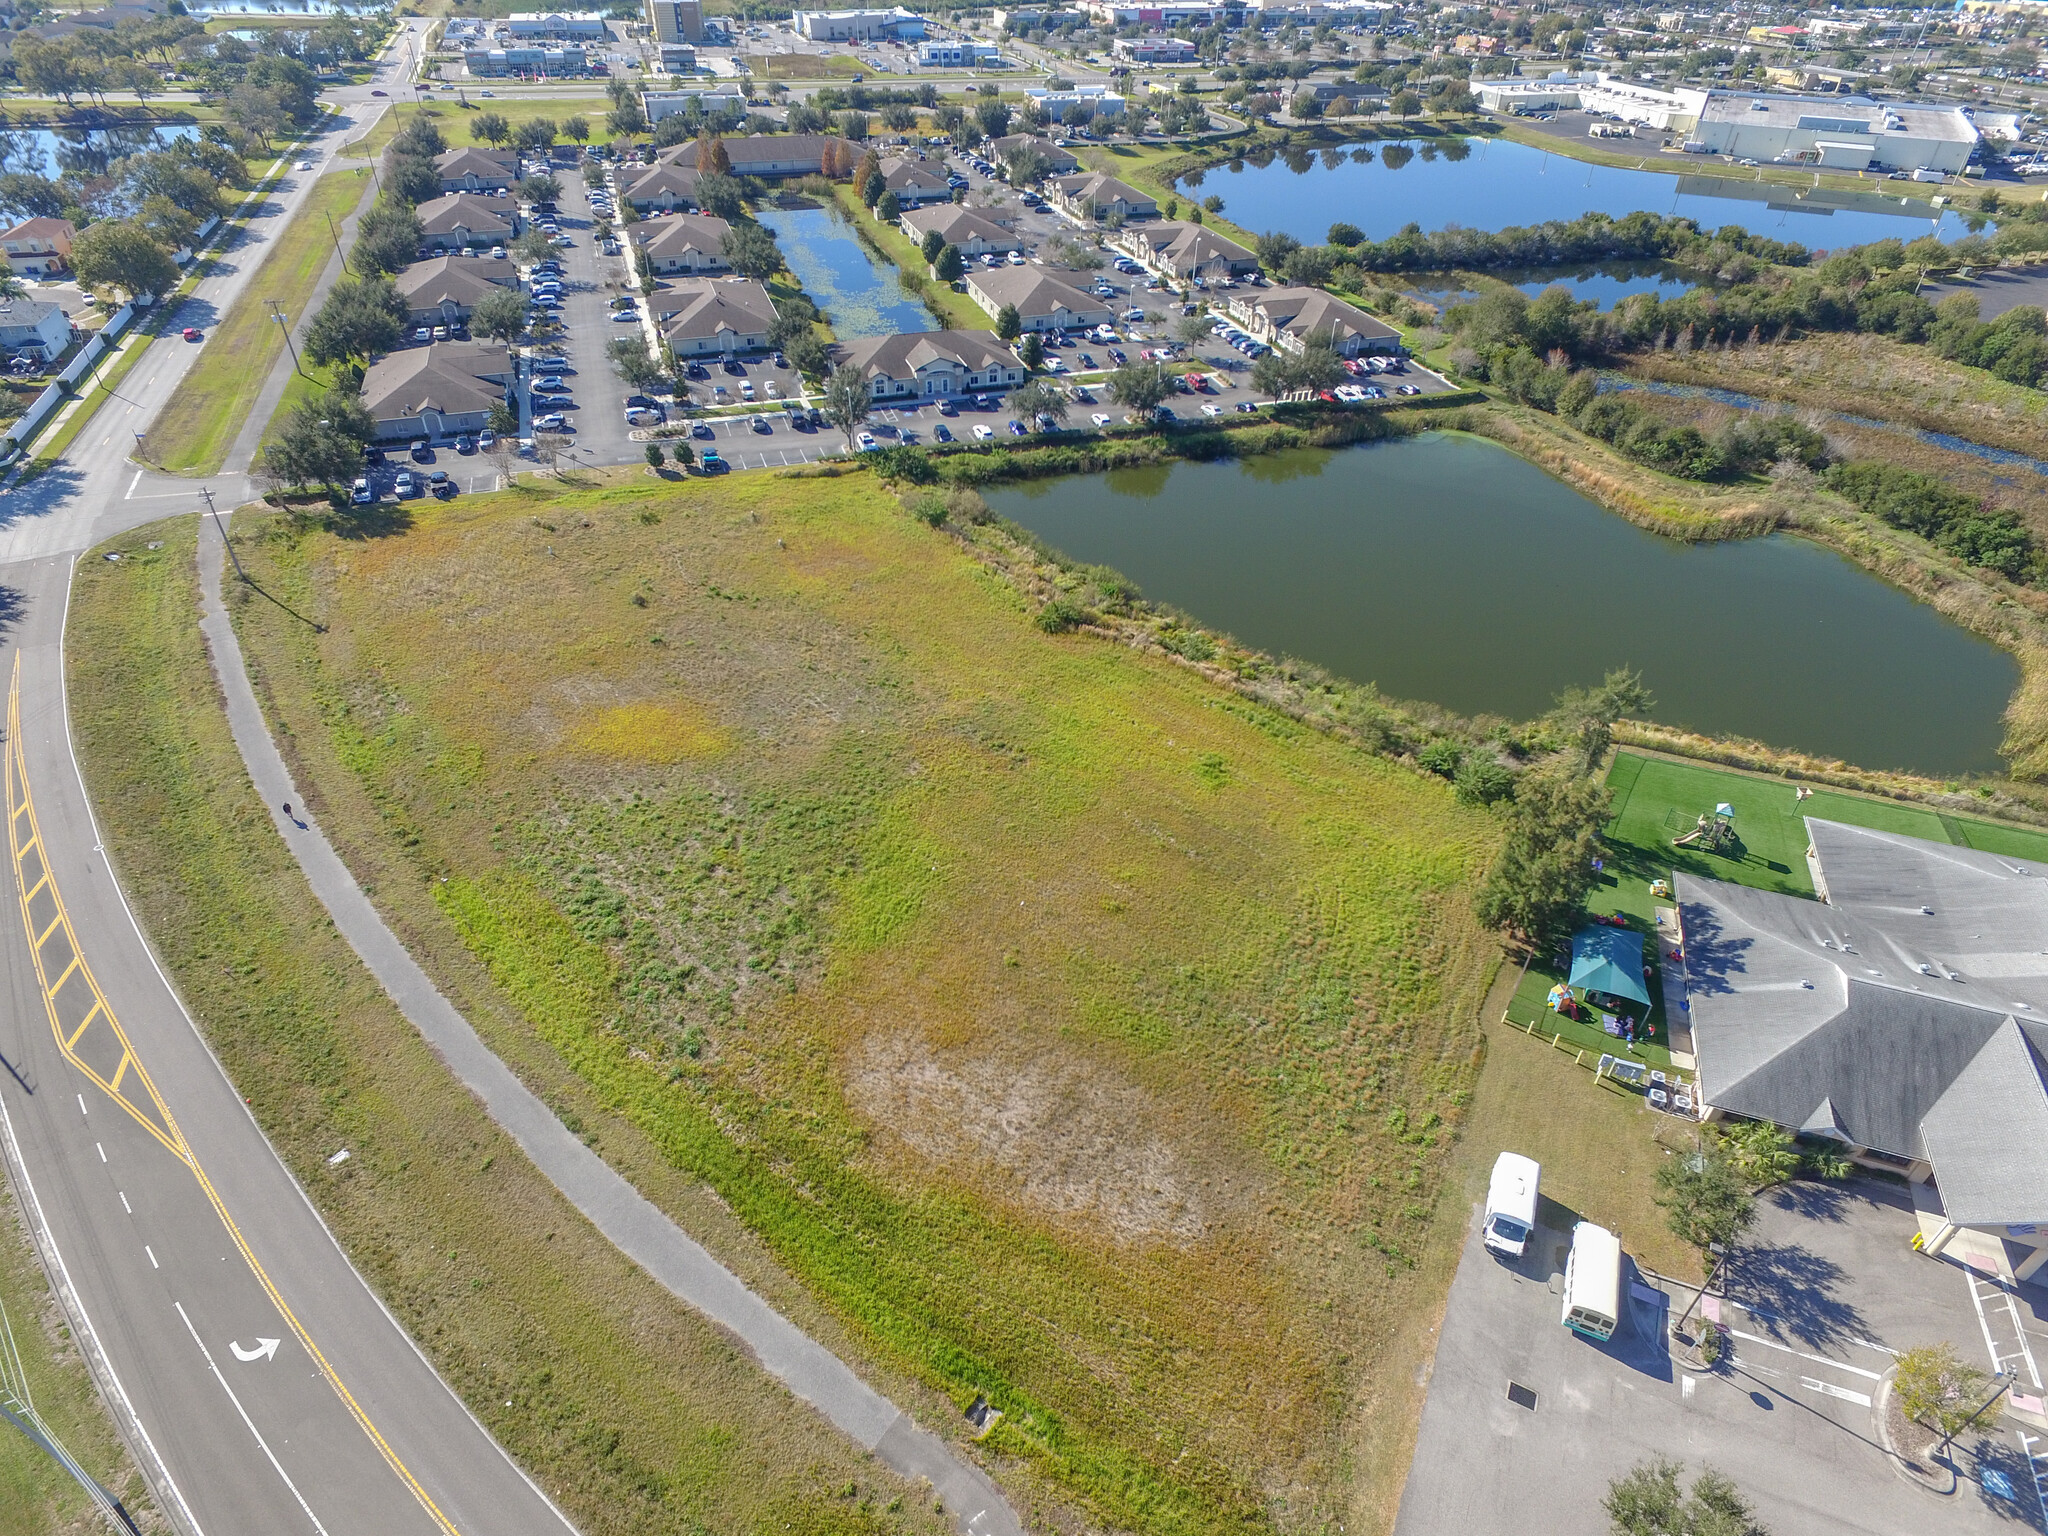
(1441, 757)
(1952, 521)
(1937, 1389)
(1482, 780)
(1061, 615)
(929, 509)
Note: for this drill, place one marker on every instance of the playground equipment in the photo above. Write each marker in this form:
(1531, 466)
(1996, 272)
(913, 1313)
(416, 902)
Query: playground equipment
(1716, 833)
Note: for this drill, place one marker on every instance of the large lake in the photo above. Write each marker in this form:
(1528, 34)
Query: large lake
(1445, 568)
(854, 286)
(1499, 183)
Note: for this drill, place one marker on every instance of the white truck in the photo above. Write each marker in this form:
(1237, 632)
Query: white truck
(1511, 1204)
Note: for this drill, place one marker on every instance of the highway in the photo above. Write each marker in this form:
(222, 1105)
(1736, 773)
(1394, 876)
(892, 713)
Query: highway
(261, 1386)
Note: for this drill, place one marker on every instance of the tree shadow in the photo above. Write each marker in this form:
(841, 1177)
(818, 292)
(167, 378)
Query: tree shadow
(379, 520)
(1711, 957)
(13, 609)
(1790, 1293)
(2000, 1475)
(1812, 1200)
(39, 496)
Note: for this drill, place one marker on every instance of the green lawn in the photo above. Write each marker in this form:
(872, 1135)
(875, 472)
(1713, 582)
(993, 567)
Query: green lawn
(194, 431)
(449, 115)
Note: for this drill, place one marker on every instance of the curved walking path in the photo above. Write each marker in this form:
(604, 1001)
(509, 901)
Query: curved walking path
(632, 1223)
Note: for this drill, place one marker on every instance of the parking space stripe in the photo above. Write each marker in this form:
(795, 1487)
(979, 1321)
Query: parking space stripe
(1837, 1365)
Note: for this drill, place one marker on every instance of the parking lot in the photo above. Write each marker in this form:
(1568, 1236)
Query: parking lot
(1823, 1291)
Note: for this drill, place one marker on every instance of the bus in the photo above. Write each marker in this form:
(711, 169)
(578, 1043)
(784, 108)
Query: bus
(1511, 1204)
(1592, 1282)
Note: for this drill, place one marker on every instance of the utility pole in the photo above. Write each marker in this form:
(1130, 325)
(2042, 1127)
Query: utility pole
(278, 315)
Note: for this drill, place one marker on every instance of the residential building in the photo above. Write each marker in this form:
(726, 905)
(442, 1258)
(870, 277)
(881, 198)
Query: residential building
(894, 25)
(439, 391)
(959, 53)
(1182, 251)
(581, 26)
(914, 182)
(931, 365)
(712, 103)
(676, 21)
(1155, 50)
(475, 169)
(1044, 301)
(767, 154)
(1903, 1017)
(1095, 100)
(1057, 161)
(1289, 318)
(524, 59)
(443, 290)
(702, 318)
(31, 325)
(460, 220)
(973, 231)
(38, 247)
(1093, 195)
(660, 189)
(1851, 133)
(682, 242)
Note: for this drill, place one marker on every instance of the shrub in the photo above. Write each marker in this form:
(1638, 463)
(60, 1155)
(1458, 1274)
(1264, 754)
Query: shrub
(1953, 521)
(1937, 1389)
(1441, 757)
(1061, 615)
(1482, 780)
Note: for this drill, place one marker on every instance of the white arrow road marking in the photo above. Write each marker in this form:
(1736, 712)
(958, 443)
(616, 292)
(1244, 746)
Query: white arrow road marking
(266, 1349)
(253, 1430)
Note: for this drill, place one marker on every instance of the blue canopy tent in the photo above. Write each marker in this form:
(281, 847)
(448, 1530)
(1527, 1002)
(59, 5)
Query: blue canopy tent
(1609, 960)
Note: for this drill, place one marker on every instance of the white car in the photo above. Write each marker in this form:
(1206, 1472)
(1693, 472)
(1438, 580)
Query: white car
(1099, 419)
(983, 432)
(1055, 365)
(1212, 409)
(305, 165)
(551, 382)
(865, 442)
(550, 423)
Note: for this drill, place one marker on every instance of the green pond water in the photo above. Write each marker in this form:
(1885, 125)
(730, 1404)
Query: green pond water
(1445, 568)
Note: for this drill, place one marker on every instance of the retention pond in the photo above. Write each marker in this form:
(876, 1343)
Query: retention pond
(855, 287)
(1445, 568)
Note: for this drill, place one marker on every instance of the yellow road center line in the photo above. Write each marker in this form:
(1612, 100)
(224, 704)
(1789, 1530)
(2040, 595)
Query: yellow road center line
(21, 803)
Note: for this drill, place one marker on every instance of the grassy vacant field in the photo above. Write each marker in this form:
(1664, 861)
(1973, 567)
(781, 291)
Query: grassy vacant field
(1080, 1035)
(453, 119)
(194, 431)
(629, 1409)
(36, 1498)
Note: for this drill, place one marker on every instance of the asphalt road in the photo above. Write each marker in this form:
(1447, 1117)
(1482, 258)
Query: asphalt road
(180, 1242)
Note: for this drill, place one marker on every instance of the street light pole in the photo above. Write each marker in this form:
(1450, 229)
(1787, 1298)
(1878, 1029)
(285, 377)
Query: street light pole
(279, 316)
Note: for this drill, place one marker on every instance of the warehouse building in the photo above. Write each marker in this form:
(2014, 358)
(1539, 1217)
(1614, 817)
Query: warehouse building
(1840, 133)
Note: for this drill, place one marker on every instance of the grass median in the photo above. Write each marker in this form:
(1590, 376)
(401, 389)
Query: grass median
(1083, 1037)
(193, 432)
(629, 1409)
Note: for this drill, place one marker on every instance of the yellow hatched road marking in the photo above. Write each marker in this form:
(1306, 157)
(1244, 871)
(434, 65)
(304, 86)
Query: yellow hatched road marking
(21, 804)
(58, 984)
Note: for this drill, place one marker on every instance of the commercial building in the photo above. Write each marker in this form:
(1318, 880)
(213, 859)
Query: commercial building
(770, 154)
(1094, 195)
(974, 233)
(525, 59)
(914, 182)
(1155, 18)
(931, 365)
(440, 391)
(704, 318)
(38, 247)
(1666, 111)
(1155, 50)
(949, 53)
(895, 25)
(1057, 161)
(475, 169)
(1095, 100)
(462, 220)
(1841, 133)
(677, 58)
(676, 21)
(659, 104)
(1029, 18)
(444, 290)
(1903, 1017)
(1290, 318)
(1043, 300)
(682, 242)
(579, 26)
(33, 326)
(1183, 251)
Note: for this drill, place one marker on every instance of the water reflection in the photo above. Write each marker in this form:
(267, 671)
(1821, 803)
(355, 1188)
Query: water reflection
(860, 291)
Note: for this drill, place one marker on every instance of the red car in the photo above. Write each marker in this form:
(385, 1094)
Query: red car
(192, 333)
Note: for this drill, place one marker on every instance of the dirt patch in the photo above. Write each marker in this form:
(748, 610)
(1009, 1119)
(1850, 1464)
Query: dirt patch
(1057, 1136)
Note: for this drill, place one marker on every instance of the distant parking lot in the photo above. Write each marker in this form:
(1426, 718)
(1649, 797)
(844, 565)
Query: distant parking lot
(1823, 1292)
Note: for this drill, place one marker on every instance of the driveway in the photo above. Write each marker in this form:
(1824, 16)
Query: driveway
(1823, 1291)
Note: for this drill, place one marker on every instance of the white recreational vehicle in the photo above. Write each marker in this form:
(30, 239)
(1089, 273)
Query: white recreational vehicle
(1511, 1204)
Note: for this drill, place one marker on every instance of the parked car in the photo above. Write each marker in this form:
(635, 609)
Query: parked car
(712, 464)
(360, 494)
(487, 439)
(865, 442)
(701, 429)
(983, 432)
(942, 433)
(406, 486)
(550, 381)
(554, 421)
(760, 424)
(422, 451)
(465, 444)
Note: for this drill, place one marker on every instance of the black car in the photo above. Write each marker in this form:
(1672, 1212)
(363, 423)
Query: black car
(642, 401)
(760, 424)
(373, 455)
(696, 371)
(735, 367)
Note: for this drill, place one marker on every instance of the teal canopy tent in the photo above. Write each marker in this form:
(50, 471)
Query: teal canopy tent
(1609, 960)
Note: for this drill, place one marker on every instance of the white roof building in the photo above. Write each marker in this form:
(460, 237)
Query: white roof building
(1840, 132)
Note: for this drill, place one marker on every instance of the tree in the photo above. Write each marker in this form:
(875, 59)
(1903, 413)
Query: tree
(500, 315)
(1937, 1389)
(712, 158)
(806, 354)
(321, 442)
(868, 180)
(1647, 1502)
(1706, 1204)
(490, 128)
(1041, 399)
(626, 119)
(654, 457)
(362, 316)
(1140, 388)
(1009, 325)
(258, 111)
(577, 128)
(950, 266)
(533, 245)
(685, 456)
(1190, 329)
(847, 401)
(1405, 104)
(888, 208)
(933, 243)
(1761, 1152)
(629, 356)
(387, 240)
(540, 189)
(992, 118)
(1540, 878)
(1031, 350)
(504, 420)
(720, 196)
(120, 255)
(751, 251)
(31, 197)
(1586, 716)
(899, 117)
(410, 178)
(536, 133)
